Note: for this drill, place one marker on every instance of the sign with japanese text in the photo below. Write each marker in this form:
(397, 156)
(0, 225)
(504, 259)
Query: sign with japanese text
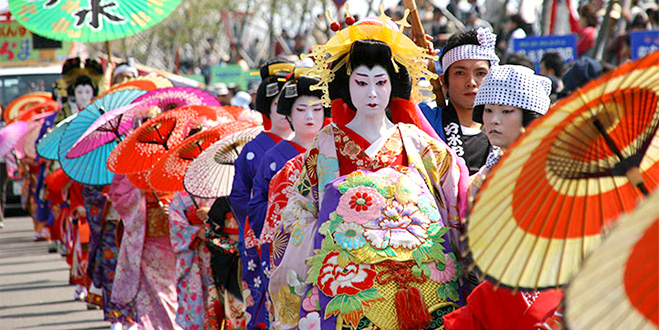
(17, 45)
(535, 47)
(232, 74)
(643, 43)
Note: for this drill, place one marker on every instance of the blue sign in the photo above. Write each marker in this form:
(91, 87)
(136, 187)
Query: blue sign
(535, 47)
(643, 43)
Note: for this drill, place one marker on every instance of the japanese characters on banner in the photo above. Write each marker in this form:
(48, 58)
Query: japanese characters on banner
(643, 43)
(535, 47)
(232, 73)
(17, 45)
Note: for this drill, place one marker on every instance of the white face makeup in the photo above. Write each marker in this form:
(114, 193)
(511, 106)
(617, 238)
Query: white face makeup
(279, 121)
(370, 90)
(83, 95)
(307, 115)
(503, 124)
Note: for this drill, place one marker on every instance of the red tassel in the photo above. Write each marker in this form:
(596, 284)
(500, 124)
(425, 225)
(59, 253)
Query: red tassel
(411, 309)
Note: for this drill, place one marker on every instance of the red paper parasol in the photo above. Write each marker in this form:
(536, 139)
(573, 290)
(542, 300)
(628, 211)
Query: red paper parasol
(140, 150)
(548, 201)
(167, 174)
(618, 286)
(140, 180)
(39, 111)
(211, 174)
(12, 111)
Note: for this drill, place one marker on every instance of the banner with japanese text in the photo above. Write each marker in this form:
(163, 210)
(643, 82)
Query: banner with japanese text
(17, 45)
(643, 43)
(535, 47)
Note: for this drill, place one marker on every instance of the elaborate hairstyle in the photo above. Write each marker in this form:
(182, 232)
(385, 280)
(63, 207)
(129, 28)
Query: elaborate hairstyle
(273, 75)
(371, 53)
(297, 85)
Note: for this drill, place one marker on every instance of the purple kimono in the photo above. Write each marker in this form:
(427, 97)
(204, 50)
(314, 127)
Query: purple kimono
(257, 273)
(246, 167)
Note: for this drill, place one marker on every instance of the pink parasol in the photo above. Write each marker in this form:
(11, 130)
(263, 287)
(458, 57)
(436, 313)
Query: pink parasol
(109, 127)
(26, 145)
(176, 97)
(9, 136)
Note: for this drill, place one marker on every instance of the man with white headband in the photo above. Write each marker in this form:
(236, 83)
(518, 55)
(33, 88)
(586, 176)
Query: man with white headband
(124, 71)
(466, 60)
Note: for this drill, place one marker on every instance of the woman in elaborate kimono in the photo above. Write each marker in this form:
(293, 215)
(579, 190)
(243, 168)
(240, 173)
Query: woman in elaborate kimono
(103, 222)
(375, 199)
(194, 283)
(306, 115)
(508, 100)
(277, 129)
(146, 268)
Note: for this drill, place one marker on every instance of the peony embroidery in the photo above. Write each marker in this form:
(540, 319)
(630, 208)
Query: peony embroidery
(400, 225)
(334, 279)
(446, 275)
(349, 236)
(360, 204)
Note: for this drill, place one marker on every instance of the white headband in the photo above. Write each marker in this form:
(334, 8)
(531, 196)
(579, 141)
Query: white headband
(122, 68)
(516, 86)
(484, 51)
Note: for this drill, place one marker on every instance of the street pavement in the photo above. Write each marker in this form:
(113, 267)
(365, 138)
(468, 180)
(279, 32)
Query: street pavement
(34, 285)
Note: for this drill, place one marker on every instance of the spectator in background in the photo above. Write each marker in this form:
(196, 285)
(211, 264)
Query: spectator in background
(473, 22)
(222, 93)
(441, 28)
(514, 28)
(581, 72)
(520, 59)
(552, 67)
(242, 99)
(585, 27)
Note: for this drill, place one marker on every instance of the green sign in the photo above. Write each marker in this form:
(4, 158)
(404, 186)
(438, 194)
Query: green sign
(233, 74)
(16, 45)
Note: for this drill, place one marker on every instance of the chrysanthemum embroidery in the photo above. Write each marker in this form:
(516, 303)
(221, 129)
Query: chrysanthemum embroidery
(360, 204)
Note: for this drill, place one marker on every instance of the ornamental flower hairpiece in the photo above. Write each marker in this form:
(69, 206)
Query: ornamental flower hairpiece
(404, 51)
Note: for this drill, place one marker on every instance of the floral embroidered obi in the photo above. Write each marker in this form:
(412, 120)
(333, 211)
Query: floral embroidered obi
(380, 234)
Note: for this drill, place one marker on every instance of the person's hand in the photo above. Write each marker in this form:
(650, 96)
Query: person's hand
(79, 212)
(201, 234)
(202, 212)
(165, 209)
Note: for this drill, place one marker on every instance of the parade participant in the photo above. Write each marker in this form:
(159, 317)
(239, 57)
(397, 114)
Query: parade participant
(197, 296)
(277, 129)
(306, 116)
(508, 100)
(81, 85)
(466, 60)
(124, 71)
(362, 208)
(146, 268)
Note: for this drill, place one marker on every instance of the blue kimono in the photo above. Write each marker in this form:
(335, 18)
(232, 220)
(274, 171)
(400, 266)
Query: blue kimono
(246, 167)
(258, 273)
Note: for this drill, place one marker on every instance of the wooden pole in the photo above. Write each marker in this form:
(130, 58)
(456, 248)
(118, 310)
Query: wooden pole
(109, 52)
(419, 37)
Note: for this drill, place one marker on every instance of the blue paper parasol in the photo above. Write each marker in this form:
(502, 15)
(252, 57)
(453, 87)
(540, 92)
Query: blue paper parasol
(48, 145)
(91, 168)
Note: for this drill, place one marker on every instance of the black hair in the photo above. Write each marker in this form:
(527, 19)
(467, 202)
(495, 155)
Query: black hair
(520, 59)
(527, 116)
(83, 80)
(554, 61)
(263, 101)
(370, 53)
(302, 87)
(458, 39)
(265, 69)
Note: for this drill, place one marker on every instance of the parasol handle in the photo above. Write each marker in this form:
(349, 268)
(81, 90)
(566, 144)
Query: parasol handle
(194, 202)
(158, 199)
(634, 176)
(419, 37)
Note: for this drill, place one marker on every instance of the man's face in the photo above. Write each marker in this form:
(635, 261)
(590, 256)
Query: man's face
(464, 78)
(123, 77)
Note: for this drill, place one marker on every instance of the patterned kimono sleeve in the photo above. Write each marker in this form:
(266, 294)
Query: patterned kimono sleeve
(475, 183)
(241, 190)
(182, 233)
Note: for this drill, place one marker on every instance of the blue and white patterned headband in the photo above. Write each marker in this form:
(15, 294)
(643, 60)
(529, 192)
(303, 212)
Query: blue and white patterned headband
(484, 51)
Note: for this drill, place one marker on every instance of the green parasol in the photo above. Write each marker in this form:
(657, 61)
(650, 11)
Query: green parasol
(90, 20)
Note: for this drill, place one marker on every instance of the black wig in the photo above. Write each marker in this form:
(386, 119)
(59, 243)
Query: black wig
(295, 88)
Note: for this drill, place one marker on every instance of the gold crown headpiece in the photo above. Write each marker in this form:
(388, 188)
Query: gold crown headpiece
(404, 51)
